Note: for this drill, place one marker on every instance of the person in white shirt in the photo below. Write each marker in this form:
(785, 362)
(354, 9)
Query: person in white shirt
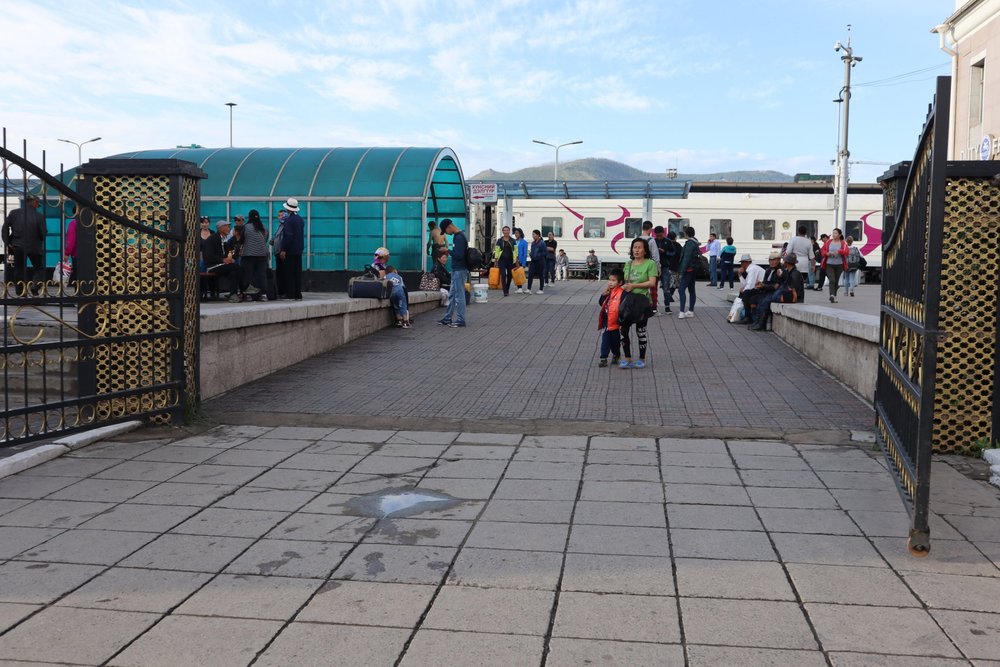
(802, 247)
(714, 250)
(750, 276)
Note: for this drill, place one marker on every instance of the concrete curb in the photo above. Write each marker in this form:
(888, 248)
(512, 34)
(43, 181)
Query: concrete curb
(38, 455)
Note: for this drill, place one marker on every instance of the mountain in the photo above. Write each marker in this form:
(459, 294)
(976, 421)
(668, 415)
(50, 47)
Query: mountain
(600, 169)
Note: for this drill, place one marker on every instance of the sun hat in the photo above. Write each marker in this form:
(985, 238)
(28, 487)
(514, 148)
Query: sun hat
(292, 205)
(220, 223)
(381, 252)
(791, 258)
(775, 254)
(746, 258)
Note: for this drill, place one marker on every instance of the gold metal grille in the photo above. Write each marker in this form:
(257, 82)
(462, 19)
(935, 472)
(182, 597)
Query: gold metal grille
(192, 312)
(130, 263)
(966, 355)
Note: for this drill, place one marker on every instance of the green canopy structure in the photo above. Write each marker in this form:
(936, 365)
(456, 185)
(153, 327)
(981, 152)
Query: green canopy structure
(353, 200)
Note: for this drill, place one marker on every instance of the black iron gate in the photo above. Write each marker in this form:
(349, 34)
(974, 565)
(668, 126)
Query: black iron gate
(938, 334)
(118, 338)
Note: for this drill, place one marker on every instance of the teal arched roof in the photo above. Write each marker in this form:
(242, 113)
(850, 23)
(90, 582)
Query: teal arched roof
(352, 199)
(320, 173)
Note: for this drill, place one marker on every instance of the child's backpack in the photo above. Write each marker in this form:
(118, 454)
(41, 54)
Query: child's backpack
(473, 258)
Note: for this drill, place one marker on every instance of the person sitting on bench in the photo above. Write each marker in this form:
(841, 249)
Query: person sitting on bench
(218, 261)
(791, 290)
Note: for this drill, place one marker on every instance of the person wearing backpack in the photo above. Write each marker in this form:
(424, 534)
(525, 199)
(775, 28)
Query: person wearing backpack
(852, 273)
(454, 316)
(690, 256)
(505, 257)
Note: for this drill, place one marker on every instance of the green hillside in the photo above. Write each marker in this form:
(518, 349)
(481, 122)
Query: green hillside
(599, 169)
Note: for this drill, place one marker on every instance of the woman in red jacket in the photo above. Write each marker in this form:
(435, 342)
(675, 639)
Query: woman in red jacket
(834, 260)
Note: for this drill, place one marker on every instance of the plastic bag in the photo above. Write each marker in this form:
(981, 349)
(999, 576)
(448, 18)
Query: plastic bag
(736, 312)
(62, 273)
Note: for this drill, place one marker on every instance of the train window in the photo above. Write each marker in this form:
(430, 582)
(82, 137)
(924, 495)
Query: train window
(812, 227)
(633, 228)
(593, 228)
(553, 225)
(721, 227)
(763, 230)
(854, 230)
(677, 225)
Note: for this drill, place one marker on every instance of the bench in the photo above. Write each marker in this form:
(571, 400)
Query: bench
(579, 266)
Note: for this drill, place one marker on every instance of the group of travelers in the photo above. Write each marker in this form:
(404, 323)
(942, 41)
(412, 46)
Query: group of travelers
(24, 233)
(237, 255)
(832, 258)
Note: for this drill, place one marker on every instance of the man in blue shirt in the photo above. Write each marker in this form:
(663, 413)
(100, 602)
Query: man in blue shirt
(292, 246)
(454, 317)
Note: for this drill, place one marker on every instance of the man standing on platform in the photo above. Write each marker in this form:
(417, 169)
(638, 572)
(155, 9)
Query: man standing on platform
(714, 250)
(292, 246)
(802, 248)
(550, 259)
(24, 233)
(454, 317)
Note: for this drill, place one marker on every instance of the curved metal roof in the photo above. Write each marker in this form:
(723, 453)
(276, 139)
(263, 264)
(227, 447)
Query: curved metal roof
(319, 173)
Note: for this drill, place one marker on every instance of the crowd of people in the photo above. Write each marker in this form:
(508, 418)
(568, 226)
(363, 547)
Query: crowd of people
(236, 256)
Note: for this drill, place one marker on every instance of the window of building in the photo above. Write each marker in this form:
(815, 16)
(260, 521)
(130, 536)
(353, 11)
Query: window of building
(593, 228)
(812, 227)
(763, 230)
(721, 227)
(633, 228)
(677, 225)
(854, 229)
(553, 225)
(976, 77)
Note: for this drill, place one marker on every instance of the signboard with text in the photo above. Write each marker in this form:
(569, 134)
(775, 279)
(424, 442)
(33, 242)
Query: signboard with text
(483, 193)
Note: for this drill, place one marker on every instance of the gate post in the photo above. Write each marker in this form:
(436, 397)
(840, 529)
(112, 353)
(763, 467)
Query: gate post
(139, 288)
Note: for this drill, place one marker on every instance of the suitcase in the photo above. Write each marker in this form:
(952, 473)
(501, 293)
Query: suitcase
(367, 288)
(272, 286)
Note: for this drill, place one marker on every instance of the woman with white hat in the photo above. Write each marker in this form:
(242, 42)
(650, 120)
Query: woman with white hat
(380, 261)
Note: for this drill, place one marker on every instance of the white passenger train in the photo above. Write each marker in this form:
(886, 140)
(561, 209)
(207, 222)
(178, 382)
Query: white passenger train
(758, 216)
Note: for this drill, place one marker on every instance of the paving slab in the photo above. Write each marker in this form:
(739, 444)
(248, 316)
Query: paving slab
(506, 568)
(712, 656)
(89, 547)
(368, 603)
(521, 536)
(608, 513)
(316, 644)
(24, 582)
(826, 549)
(54, 513)
(976, 634)
(745, 580)
(192, 553)
(713, 517)
(565, 652)
(11, 614)
(621, 540)
(132, 589)
(874, 586)
(635, 575)
(617, 617)
(737, 623)
(721, 544)
(290, 558)
(207, 641)
(15, 539)
(945, 557)
(956, 591)
(441, 648)
(706, 494)
(505, 611)
(248, 596)
(90, 636)
(394, 563)
(863, 629)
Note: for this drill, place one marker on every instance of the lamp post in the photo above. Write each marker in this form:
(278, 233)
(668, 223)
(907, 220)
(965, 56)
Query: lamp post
(230, 105)
(843, 154)
(555, 176)
(79, 147)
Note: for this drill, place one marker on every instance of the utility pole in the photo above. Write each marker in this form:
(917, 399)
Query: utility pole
(230, 105)
(844, 154)
(555, 175)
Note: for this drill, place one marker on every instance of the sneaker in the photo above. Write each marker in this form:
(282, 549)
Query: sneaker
(235, 298)
(406, 325)
(263, 298)
(399, 324)
(456, 325)
(690, 313)
(832, 300)
(681, 315)
(603, 363)
(252, 290)
(639, 364)
(539, 292)
(615, 360)
(667, 311)
(444, 322)
(624, 364)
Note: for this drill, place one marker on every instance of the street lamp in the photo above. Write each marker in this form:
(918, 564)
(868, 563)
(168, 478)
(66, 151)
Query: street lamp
(230, 105)
(843, 154)
(79, 147)
(555, 176)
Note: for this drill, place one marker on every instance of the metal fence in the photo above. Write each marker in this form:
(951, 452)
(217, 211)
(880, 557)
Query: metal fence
(99, 297)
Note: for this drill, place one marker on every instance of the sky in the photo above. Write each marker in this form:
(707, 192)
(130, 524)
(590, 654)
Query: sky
(695, 85)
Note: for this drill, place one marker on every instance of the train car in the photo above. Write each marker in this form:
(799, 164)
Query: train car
(759, 217)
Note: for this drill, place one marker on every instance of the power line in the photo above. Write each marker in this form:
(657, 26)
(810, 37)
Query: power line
(897, 77)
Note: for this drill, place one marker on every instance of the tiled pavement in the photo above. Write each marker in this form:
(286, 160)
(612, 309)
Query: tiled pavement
(238, 546)
(531, 361)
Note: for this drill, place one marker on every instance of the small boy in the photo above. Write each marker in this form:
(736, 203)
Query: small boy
(611, 298)
(398, 297)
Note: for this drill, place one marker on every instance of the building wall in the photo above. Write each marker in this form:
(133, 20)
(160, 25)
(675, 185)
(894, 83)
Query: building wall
(975, 29)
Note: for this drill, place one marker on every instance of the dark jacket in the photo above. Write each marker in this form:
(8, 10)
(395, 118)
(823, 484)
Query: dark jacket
(460, 245)
(293, 236)
(212, 251)
(538, 252)
(442, 275)
(25, 230)
(689, 256)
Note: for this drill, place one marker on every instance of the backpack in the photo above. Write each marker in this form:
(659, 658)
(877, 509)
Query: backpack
(473, 258)
(633, 309)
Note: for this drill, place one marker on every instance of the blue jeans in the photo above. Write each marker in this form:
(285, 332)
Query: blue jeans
(668, 296)
(713, 270)
(851, 279)
(611, 342)
(550, 269)
(687, 286)
(456, 297)
(726, 274)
